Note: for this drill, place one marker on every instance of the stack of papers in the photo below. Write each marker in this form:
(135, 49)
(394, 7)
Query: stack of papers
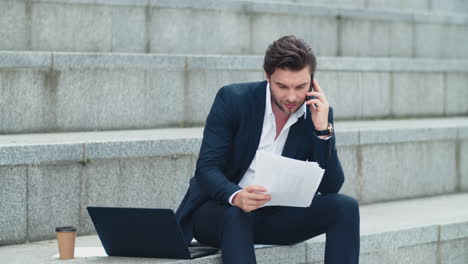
(290, 182)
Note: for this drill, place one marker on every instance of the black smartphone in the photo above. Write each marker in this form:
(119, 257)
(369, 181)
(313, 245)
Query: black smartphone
(311, 88)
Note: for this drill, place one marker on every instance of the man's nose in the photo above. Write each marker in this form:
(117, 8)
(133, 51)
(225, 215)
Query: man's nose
(292, 96)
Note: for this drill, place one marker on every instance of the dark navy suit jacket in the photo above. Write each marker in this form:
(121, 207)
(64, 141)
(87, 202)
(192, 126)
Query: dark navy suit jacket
(230, 141)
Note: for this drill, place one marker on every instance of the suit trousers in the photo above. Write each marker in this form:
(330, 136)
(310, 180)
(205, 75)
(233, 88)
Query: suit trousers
(235, 232)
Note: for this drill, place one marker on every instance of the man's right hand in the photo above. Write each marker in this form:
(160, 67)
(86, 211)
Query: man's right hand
(250, 198)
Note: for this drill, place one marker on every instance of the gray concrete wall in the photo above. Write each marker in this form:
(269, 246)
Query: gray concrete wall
(382, 161)
(14, 195)
(53, 92)
(387, 163)
(38, 198)
(244, 27)
(458, 6)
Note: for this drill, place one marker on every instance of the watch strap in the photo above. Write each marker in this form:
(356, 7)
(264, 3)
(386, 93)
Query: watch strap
(326, 132)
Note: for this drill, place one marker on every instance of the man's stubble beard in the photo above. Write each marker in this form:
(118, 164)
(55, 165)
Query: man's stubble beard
(281, 108)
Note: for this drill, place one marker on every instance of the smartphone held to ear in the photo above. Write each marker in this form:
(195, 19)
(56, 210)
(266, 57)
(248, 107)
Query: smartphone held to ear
(311, 89)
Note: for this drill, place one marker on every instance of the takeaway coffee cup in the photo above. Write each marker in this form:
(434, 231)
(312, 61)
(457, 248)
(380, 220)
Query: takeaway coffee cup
(66, 241)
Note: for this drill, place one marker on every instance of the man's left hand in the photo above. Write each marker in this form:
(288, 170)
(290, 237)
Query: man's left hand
(319, 107)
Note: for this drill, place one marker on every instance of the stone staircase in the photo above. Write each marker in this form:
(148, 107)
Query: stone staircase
(103, 103)
(397, 232)
(94, 91)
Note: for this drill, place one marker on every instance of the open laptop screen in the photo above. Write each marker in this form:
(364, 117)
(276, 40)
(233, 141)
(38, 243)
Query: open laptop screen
(139, 232)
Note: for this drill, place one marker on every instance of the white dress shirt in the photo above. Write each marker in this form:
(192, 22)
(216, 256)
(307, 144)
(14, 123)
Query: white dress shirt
(267, 140)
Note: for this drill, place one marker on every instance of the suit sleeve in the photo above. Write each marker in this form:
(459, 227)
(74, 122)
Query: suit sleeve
(326, 155)
(218, 134)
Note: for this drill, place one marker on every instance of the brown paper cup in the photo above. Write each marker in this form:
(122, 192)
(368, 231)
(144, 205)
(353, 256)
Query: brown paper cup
(66, 241)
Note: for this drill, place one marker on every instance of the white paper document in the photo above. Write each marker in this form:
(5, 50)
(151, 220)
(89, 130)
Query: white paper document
(290, 182)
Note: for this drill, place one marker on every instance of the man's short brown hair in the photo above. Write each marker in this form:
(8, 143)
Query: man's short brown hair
(289, 52)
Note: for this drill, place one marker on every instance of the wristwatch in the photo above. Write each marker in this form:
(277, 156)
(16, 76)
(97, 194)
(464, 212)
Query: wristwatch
(326, 132)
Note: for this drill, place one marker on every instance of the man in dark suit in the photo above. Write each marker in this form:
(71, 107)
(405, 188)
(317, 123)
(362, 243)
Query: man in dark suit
(220, 208)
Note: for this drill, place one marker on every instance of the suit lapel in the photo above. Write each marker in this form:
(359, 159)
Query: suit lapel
(256, 125)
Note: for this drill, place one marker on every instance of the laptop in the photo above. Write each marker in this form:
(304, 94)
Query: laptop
(141, 232)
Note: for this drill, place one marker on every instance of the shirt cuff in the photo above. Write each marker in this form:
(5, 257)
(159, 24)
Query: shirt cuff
(232, 196)
(327, 138)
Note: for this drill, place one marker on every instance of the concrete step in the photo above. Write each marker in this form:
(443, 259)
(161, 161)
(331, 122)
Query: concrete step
(55, 92)
(47, 180)
(421, 231)
(243, 27)
(457, 6)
